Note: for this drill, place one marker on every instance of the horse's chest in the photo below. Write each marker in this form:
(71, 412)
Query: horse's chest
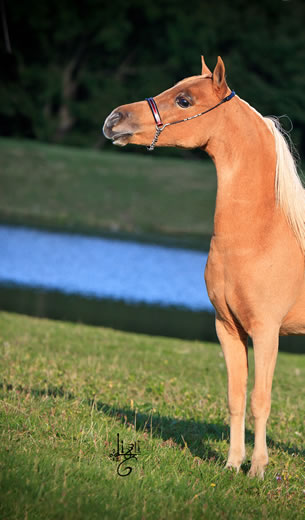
(221, 277)
(214, 278)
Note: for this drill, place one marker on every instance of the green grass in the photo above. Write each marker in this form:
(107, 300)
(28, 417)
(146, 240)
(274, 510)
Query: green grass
(68, 389)
(97, 192)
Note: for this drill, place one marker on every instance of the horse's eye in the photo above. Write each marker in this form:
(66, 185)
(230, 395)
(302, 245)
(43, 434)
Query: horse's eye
(183, 102)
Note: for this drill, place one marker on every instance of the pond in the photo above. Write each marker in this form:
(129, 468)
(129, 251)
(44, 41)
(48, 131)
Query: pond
(103, 268)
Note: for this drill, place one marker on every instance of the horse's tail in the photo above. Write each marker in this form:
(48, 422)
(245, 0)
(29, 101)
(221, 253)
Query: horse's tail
(289, 190)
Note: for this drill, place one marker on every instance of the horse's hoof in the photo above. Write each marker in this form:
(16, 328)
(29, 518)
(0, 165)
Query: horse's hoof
(257, 470)
(232, 466)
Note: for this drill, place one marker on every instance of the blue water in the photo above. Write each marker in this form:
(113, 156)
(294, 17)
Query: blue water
(103, 268)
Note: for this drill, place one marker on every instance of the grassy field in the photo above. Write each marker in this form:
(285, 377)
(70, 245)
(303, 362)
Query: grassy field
(68, 389)
(100, 191)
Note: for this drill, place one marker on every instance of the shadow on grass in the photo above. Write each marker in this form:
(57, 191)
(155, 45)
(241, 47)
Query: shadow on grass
(174, 432)
(194, 433)
(197, 435)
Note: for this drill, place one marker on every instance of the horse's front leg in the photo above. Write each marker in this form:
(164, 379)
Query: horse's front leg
(265, 345)
(234, 345)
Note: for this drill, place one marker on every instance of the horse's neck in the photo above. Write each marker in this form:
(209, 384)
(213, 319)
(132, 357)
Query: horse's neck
(243, 150)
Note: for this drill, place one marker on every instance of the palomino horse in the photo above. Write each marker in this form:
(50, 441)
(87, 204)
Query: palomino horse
(255, 269)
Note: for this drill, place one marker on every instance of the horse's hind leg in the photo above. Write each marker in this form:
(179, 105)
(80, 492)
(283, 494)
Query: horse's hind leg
(265, 344)
(234, 345)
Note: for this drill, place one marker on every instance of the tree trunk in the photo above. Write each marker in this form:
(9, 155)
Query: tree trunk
(69, 85)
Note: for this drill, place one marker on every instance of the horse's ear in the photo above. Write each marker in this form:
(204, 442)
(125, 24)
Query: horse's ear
(219, 78)
(205, 70)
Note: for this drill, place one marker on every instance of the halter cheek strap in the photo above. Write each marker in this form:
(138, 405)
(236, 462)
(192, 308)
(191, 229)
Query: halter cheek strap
(160, 125)
(155, 112)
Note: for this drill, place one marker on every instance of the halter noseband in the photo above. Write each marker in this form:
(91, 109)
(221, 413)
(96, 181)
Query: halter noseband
(160, 125)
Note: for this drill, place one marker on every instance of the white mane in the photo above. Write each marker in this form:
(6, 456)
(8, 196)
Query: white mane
(289, 190)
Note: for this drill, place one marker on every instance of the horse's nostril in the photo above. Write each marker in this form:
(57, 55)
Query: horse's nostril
(114, 119)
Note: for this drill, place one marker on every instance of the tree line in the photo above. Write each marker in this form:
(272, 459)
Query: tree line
(73, 62)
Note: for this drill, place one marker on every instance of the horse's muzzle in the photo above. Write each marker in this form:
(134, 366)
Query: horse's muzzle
(110, 130)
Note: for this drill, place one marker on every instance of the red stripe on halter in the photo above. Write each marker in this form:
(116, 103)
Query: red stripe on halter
(155, 111)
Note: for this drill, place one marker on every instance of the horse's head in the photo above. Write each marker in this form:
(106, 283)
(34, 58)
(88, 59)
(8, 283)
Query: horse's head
(135, 123)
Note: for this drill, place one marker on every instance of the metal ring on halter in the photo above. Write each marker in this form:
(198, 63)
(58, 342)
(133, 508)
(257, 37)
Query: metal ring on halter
(160, 126)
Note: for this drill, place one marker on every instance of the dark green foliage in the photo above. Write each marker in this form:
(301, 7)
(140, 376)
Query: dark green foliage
(73, 62)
